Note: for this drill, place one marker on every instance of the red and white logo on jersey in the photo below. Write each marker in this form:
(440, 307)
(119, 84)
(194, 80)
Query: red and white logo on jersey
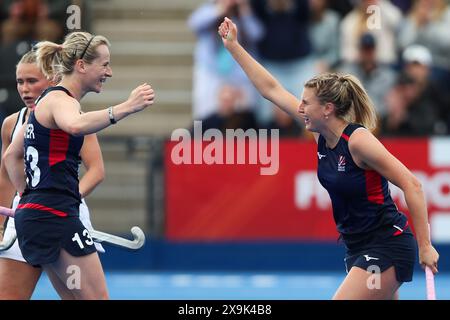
(341, 163)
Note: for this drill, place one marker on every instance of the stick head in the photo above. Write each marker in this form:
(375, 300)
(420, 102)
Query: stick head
(139, 237)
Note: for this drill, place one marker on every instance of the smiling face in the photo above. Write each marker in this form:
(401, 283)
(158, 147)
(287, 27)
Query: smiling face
(30, 83)
(99, 69)
(312, 110)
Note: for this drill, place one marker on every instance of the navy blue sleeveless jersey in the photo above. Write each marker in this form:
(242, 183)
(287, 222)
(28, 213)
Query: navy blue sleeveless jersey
(52, 157)
(360, 198)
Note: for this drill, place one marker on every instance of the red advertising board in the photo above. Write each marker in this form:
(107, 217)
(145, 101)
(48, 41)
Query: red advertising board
(235, 202)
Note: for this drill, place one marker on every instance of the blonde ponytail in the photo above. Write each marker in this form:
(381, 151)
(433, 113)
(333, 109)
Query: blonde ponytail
(47, 57)
(363, 108)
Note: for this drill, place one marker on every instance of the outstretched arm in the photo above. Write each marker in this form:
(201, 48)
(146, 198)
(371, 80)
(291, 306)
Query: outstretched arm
(264, 82)
(91, 155)
(369, 153)
(71, 121)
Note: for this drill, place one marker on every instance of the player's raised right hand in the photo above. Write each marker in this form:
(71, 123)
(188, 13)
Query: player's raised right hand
(228, 32)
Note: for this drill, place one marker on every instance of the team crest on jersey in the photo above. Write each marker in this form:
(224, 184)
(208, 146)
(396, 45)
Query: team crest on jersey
(341, 164)
(29, 133)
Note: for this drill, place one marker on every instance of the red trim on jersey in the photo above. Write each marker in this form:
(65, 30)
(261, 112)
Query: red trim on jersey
(59, 144)
(346, 137)
(373, 187)
(37, 206)
(398, 232)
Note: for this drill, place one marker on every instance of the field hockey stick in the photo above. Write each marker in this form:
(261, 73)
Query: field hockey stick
(137, 242)
(7, 243)
(98, 236)
(429, 278)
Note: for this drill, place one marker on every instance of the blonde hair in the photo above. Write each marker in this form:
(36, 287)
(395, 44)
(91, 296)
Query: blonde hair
(29, 57)
(350, 99)
(56, 60)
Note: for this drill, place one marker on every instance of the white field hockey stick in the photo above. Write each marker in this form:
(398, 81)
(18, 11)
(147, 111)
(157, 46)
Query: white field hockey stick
(137, 242)
(98, 236)
(429, 278)
(5, 244)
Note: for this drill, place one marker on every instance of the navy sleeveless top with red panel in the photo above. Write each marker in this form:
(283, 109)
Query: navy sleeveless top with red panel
(52, 159)
(360, 198)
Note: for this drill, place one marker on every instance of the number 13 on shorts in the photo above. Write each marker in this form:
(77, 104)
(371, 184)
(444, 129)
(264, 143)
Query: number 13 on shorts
(88, 239)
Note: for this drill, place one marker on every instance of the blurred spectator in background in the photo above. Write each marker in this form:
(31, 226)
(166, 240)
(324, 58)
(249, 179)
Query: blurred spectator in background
(376, 77)
(25, 22)
(231, 113)
(323, 35)
(3, 11)
(342, 7)
(361, 20)
(213, 65)
(285, 48)
(428, 24)
(10, 55)
(416, 106)
(29, 20)
(288, 126)
(403, 5)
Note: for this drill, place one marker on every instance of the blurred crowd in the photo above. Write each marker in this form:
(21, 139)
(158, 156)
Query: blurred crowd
(22, 23)
(399, 49)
